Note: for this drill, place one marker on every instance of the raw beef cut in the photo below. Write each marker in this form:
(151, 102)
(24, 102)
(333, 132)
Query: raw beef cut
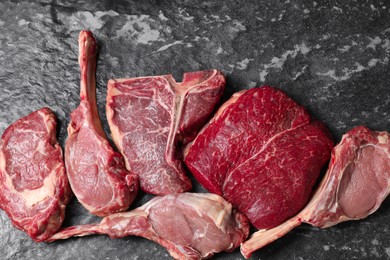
(263, 153)
(96, 173)
(188, 225)
(34, 189)
(356, 183)
(150, 117)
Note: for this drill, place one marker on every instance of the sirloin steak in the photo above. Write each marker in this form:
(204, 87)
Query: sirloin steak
(355, 184)
(34, 189)
(188, 225)
(96, 173)
(150, 117)
(263, 153)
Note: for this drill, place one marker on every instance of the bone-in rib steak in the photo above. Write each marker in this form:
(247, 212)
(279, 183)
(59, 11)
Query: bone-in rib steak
(150, 116)
(34, 189)
(188, 225)
(263, 153)
(355, 184)
(97, 173)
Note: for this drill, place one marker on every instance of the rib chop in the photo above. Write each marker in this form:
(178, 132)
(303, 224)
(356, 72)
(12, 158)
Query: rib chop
(150, 117)
(96, 173)
(355, 184)
(34, 189)
(263, 153)
(188, 225)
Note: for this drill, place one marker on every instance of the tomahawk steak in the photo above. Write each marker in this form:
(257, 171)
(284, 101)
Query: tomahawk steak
(96, 173)
(263, 153)
(150, 117)
(34, 189)
(188, 225)
(355, 184)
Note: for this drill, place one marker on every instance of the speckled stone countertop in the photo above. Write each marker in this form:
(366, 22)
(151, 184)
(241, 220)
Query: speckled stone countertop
(330, 56)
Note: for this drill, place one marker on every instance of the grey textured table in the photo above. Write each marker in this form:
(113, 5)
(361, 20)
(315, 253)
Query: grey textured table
(330, 56)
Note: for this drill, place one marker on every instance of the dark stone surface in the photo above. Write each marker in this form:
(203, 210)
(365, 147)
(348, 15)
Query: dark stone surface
(330, 56)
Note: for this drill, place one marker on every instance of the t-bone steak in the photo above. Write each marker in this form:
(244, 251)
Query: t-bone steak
(34, 189)
(150, 117)
(97, 173)
(355, 184)
(188, 225)
(263, 153)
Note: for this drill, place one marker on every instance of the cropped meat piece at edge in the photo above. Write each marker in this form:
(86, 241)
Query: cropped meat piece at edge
(150, 117)
(34, 188)
(356, 183)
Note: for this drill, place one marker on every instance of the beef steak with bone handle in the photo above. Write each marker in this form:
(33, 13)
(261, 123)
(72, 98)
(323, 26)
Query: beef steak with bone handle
(34, 189)
(96, 172)
(263, 153)
(150, 117)
(188, 225)
(355, 184)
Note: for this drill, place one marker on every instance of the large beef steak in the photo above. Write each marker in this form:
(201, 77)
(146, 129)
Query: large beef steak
(263, 153)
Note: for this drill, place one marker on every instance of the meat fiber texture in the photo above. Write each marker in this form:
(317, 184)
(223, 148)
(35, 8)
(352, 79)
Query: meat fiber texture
(263, 153)
(151, 117)
(355, 184)
(34, 189)
(188, 225)
(96, 172)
